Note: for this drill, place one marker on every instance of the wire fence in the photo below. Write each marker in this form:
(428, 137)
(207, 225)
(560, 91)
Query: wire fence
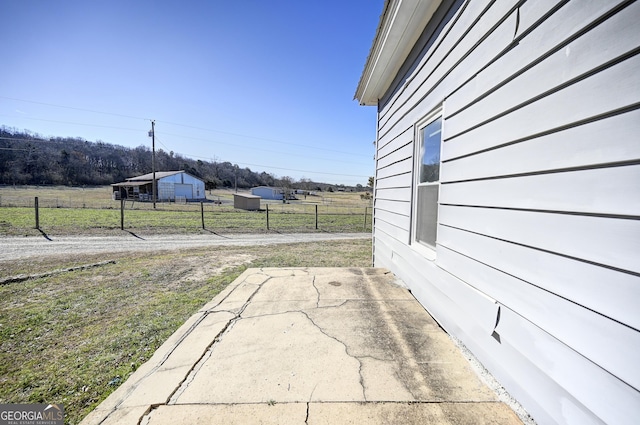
(56, 215)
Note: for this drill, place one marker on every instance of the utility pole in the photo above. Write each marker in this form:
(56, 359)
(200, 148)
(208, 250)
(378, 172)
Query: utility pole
(152, 133)
(236, 174)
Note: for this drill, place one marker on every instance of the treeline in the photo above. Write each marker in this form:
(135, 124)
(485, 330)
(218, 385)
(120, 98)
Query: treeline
(27, 158)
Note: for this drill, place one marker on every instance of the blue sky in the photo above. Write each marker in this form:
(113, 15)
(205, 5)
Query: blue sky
(265, 84)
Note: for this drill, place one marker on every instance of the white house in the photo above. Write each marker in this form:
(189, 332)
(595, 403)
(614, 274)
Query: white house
(507, 189)
(170, 186)
(266, 192)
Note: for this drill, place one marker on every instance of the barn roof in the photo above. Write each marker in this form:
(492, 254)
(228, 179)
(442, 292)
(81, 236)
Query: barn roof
(132, 184)
(149, 177)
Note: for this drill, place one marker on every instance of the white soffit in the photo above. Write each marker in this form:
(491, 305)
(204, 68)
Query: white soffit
(400, 27)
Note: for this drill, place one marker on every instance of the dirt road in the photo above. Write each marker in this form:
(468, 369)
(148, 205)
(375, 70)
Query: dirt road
(21, 248)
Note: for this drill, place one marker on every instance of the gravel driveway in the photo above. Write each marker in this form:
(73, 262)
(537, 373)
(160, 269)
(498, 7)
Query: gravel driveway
(25, 247)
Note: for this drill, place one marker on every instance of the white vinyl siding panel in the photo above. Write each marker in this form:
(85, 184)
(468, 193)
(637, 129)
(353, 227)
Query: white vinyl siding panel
(539, 200)
(568, 64)
(396, 194)
(394, 169)
(397, 207)
(466, 59)
(611, 242)
(606, 141)
(393, 181)
(591, 191)
(563, 108)
(618, 346)
(573, 17)
(403, 153)
(568, 278)
(537, 358)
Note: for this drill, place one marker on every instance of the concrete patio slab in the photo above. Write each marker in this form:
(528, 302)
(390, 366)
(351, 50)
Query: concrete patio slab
(307, 345)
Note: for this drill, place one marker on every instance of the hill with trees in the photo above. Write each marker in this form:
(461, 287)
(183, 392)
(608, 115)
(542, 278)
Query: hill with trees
(27, 158)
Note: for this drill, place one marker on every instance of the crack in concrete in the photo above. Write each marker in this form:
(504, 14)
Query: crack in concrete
(191, 374)
(173, 398)
(313, 282)
(346, 350)
(154, 369)
(322, 331)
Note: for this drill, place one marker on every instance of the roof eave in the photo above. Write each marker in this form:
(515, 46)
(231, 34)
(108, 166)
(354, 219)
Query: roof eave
(400, 26)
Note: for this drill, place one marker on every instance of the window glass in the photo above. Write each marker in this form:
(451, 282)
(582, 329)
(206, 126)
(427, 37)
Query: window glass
(427, 182)
(430, 152)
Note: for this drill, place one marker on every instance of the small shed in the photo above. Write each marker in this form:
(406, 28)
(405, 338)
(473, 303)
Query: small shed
(266, 192)
(244, 201)
(170, 186)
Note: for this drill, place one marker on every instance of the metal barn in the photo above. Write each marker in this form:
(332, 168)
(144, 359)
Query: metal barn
(170, 186)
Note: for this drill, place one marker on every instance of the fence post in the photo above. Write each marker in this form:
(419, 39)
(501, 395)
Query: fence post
(365, 219)
(267, 216)
(122, 214)
(316, 216)
(202, 213)
(37, 214)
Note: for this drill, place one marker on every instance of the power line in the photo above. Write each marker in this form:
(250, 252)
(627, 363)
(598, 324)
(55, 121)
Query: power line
(268, 166)
(74, 108)
(259, 149)
(74, 123)
(208, 159)
(260, 138)
(173, 123)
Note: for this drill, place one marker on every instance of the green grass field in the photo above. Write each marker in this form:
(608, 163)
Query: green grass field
(91, 211)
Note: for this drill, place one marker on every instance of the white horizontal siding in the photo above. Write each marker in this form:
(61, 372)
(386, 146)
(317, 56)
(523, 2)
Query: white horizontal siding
(398, 220)
(397, 207)
(544, 369)
(611, 242)
(592, 191)
(604, 43)
(617, 348)
(540, 198)
(391, 230)
(394, 181)
(394, 194)
(402, 153)
(394, 169)
(583, 100)
(445, 45)
(527, 357)
(568, 278)
(572, 17)
(606, 141)
(431, 91)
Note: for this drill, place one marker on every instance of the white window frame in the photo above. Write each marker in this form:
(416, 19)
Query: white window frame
(427, 251)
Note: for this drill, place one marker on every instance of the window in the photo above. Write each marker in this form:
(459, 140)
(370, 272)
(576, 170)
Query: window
(427, 179)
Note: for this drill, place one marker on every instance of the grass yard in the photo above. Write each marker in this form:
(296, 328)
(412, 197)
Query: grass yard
(77, 211)
(74, 337)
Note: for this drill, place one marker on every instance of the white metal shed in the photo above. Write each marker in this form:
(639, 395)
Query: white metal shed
(266, 192)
